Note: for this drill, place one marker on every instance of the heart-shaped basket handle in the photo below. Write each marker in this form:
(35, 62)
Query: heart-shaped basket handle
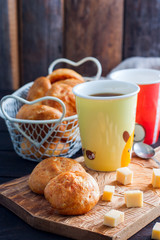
(15, 121)
(65, 60)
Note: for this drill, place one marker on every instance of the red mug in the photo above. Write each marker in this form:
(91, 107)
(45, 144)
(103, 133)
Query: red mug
(148, 102)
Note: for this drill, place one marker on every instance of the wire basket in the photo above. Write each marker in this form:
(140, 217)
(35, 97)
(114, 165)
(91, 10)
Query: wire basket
(36, 139)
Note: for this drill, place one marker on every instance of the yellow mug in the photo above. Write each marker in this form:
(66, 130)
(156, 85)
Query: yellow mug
(106, 114)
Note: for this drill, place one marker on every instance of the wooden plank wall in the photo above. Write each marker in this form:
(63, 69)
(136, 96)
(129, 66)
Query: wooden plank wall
(41, 34)
(94, 28)
(5, 57)
(34, 33)
(142, 28)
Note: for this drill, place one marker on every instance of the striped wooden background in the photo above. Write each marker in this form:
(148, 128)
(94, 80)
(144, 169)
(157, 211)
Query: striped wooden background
(34, 33)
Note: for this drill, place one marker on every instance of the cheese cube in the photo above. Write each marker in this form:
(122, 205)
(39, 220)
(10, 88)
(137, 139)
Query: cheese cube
(113, 218)
(156, 178)
(156, 231)
(108, 193)
(124, 175)
(133, 198)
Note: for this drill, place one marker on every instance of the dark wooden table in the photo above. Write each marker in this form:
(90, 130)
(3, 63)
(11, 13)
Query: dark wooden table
(12, 166)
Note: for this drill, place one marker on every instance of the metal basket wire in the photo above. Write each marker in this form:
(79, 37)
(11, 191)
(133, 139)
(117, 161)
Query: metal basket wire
(34, 139)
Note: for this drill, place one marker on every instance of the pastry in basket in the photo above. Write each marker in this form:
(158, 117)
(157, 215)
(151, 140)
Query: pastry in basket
(48, 149)
(50, 168)
(71, 82)
(38, 112)
(39, 88)
(60, 90)
(72, 193)
(63, 73)
(63, 92)
(70, 133)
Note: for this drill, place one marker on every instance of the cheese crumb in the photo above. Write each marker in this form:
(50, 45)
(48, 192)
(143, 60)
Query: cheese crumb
(133, 198)
(156, 178)
(124, 175)
(156, 231)
(108, 193)
(113, 218)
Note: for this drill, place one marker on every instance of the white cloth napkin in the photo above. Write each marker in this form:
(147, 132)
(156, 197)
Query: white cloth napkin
(138, 62)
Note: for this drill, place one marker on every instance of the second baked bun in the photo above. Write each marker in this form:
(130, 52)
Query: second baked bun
(40, 86)
(64, 93)
(72, 193)
(71, 82)
(50, 168)
(38, 112)
(64, 73)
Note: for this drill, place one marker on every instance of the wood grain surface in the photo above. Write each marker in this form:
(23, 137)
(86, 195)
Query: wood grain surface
(35, 33)
(37, 212)
(141, 28)
(14, 46)
(5, 47)
(41, 29)
(94, 28)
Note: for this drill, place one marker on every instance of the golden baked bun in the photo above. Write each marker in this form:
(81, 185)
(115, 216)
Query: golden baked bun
(38, 112)
(72, 193)
(63, 73)
(50, 168)
(39, 88)
(71, 82)
(63, 92)
(46, 150)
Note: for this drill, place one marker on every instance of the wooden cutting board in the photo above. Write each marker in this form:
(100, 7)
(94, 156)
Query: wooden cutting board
(37, 212)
